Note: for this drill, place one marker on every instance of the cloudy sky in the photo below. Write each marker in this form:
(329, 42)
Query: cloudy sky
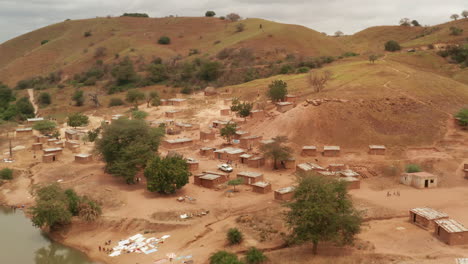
(21, 16)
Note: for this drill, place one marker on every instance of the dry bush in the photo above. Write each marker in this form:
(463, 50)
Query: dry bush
(318, 80)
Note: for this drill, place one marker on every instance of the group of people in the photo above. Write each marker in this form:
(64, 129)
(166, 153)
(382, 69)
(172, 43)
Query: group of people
(104, 249)
(395, 193)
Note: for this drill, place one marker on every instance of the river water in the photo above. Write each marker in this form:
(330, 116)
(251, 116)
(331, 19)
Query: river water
(22, 243)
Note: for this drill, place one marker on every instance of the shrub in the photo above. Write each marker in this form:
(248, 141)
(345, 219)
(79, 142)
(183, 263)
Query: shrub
(350, 54)
(392, 46)
(210, 71)
(100, 52)
(193, 52)
(87, 34)
(303, 70)
(139, 114)
(44, 126)
(116, 102)
(78, 97)
(454, 31)
(411, 168)
(223, 257)
(44, 99)
(210, 14)
(277, 90)
(135, 15)
(233, 17)
(164, 40)
(240, 27)
(234, 236)
(77, 119)
(222, 17)
(254, 256)
(6, 174)
(186, 90)
(285, 69)
(44, 41)
(462, 117)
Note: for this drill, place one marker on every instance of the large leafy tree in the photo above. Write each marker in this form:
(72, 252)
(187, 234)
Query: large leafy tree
(77, 119)
(277, 150)
(124, 73)
(321, 210)
(229, 131)
(45, 127)
(127, 145)
(277, 90)
(152, 98)
(392, 45)
(51, 207)
(166, 175)
(6, 96)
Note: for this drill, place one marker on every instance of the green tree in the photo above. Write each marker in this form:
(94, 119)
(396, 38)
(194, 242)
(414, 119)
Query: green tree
(245, 109)
(455, 31)
(157, 73)
(235, 182)
(234, 236)
(276, 150)
(372, 58)
(94, 134)
(77, 119)
(139, 114)
(210, 14)
(88, 209)
(24, 108)
(124, 73)
(415, 23)
(277, 90)
(254, 256)
(223, 257)
(73, 201)
(321, 210)
(6, 96)
(392, 45)
(45, 127)
(6, 174)
(462, 117)
(166, 175)
(52, 213)
(44, 99)
(454, 16)
(210, 71)
(127, 145)
(164, 40)
(229, 131)
(411, 168)
(78, 97)
(134, 96)
(151, 97)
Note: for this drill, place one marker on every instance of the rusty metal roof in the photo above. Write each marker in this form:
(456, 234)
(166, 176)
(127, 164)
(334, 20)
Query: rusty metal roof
(451, 226)
(428, 213)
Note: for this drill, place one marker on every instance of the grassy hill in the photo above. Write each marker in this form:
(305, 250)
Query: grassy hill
(69, 50)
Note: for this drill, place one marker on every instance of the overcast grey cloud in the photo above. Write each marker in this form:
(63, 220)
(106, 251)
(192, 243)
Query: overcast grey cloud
(21, 16)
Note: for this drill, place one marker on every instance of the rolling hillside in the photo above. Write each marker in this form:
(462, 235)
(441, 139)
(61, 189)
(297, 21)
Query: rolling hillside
(69, 50)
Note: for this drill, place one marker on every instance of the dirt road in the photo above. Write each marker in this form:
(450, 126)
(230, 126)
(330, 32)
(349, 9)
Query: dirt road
(31, 98)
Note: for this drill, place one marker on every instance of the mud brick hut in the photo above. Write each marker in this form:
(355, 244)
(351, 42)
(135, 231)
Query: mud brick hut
(37, 146)
(209, 180)
(284, 194)
(261, 187)
(83, 158)
(256, 162)
(26, 131)
(352, 182)
(70, 144)
(310, 151)
(171, 113)
(336, 167)
(207, 152)
(331, 151)
(425, 217)
(250, 177)
(377, 149)
(420, 180)
(208, 135)
(225, 112)
(58, 144)
(348, 173)
(257, 114)
(227, 101)
(244, 158)
(34, 120)
(193, 164)
(228, 153)
(177, 102)
(284, 106)
(52, 151)
(71, 134)
(287, 164)
(177, 143)
(41, 139)
(116, 117)
(451, 232)
(239, 134)
(291, 98)
(219, 124)
(308, 167)
(51, 141)
(210, 91)
(465, 169)
(250, 142)
(48, 158)
(266, 142)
